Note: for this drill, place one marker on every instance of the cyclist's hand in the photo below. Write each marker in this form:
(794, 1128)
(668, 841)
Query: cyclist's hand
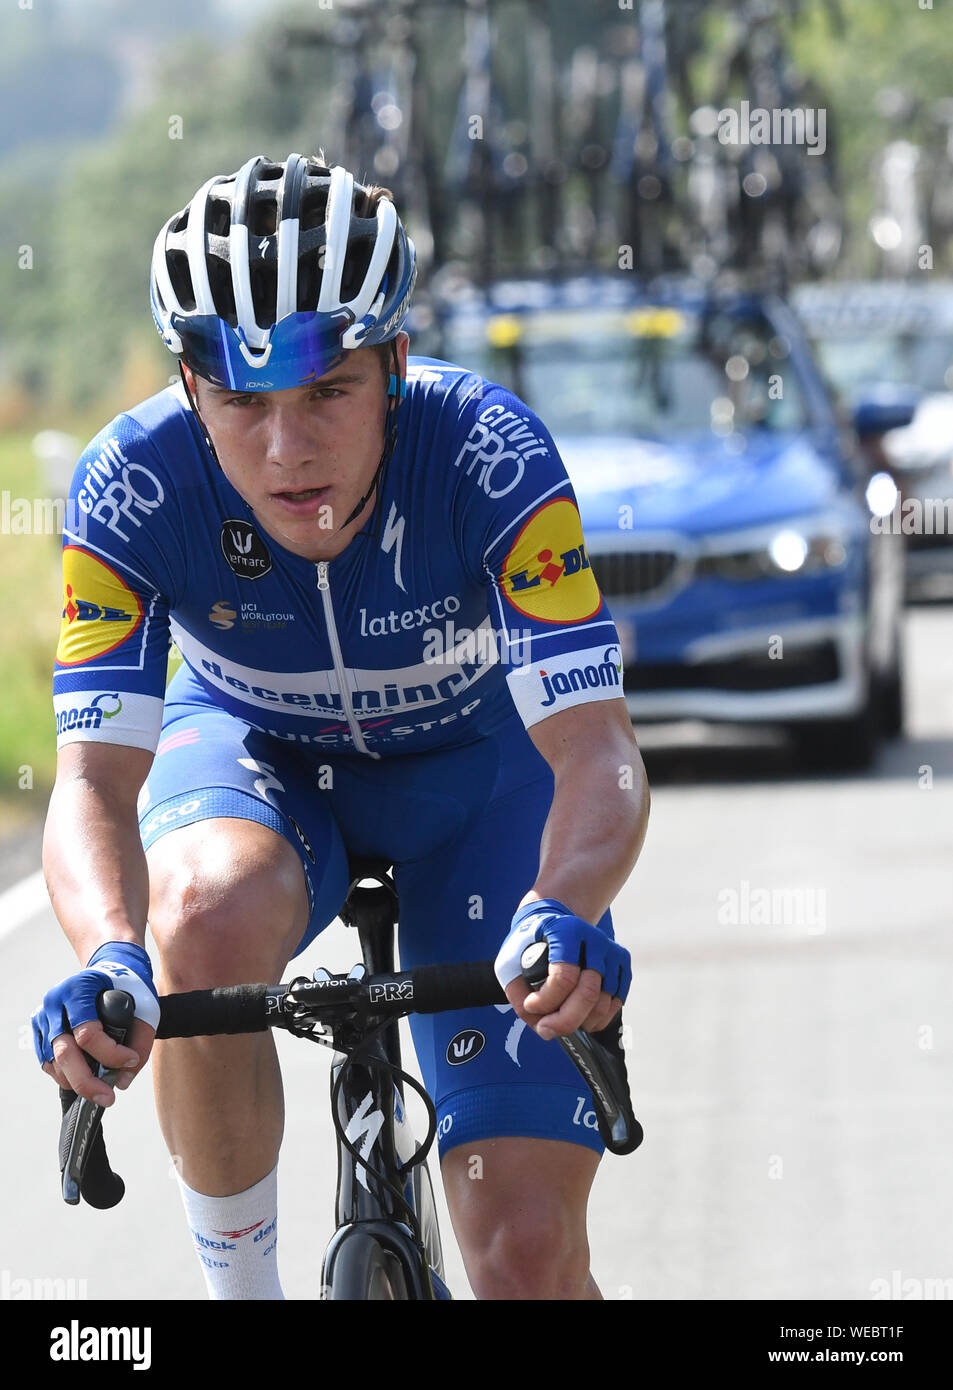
(66, 1024)
(589, 973)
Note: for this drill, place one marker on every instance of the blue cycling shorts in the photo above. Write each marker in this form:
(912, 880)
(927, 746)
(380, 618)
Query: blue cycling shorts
(462, 828)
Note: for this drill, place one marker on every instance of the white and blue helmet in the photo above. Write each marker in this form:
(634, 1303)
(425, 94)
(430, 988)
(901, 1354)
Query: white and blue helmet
(271, 274)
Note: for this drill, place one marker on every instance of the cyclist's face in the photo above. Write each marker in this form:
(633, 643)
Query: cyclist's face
(302, 458)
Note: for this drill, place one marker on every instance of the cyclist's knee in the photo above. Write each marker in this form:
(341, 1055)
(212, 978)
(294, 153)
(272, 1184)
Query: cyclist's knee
(536, 1250)
(519, 1213)
(227, 897)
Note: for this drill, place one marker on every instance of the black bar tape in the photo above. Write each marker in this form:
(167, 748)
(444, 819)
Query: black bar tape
(208, 1012)
(464, 986)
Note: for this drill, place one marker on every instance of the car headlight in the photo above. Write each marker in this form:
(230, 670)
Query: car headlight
(773, 553)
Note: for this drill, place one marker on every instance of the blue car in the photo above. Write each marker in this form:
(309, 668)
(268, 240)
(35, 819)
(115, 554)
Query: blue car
(723, 502)
(887, 348)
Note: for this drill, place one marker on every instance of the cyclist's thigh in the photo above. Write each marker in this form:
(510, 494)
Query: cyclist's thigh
(210, 767)
(489, 1074)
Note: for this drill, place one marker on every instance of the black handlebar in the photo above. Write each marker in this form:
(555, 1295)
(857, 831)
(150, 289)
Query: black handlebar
(253, 1008)
(600, 1060)
(84, 1167)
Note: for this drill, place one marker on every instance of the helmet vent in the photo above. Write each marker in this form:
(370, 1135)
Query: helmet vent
(220, 283)
(263, 217)
(264, 291)
(178, 263)
(313, 207)
(217, 216)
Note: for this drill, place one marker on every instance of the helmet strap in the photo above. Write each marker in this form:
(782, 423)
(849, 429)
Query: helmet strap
(396, 391)
(195, 412)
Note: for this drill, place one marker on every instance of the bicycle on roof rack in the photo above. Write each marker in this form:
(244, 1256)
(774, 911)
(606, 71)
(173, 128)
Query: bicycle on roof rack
(386, 1245)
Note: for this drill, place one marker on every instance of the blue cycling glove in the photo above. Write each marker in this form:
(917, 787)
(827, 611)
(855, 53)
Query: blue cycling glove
(570, 939)
(117, 965)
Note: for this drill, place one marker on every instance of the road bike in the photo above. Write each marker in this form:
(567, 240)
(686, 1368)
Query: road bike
(386, 1244)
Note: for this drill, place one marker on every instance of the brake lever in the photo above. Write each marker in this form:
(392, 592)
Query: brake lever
(84, 1167)
(602, 1070)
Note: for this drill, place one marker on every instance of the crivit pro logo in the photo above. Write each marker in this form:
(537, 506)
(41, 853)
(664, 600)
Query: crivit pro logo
(547, 574)
(605, 674)
(100, 611)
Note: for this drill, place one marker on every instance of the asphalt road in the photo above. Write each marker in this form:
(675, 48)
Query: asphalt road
(790, 1056)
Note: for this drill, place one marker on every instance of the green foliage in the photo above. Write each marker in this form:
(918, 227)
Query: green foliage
(77, 330)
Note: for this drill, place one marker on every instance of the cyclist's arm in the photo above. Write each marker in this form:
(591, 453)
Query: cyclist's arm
(592, 837)
(96, 873)
(600, 811)
(93, 859)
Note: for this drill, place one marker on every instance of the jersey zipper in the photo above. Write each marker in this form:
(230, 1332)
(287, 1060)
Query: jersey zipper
(324, 588)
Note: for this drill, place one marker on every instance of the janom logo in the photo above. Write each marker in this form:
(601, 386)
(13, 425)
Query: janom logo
(607, 673)
(91, 716)
(100, 611)
(547, 574)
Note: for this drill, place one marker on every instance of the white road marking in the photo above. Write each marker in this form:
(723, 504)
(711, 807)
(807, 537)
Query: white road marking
(22, 902)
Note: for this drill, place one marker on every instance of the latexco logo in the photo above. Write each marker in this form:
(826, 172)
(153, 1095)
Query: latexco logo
(464, 1046)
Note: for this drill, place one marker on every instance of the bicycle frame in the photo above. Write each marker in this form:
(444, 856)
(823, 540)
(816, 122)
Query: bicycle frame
(371, 1113)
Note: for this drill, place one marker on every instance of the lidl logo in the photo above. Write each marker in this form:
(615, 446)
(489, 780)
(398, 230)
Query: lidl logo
(100, 611)
(547, 574)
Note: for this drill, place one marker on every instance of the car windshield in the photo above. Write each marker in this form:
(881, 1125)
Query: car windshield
(904, 359)
(653, 372)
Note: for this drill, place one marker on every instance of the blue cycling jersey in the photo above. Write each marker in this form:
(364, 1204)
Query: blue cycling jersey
(468, 591)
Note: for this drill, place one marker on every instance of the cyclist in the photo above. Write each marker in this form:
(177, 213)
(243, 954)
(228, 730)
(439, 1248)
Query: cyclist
(328, 530)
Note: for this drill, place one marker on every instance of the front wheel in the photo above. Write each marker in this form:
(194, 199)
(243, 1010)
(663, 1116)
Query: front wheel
(363, 1270)
(374, 1261)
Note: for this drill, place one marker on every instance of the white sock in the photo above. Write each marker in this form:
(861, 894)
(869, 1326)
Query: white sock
(236, 1239)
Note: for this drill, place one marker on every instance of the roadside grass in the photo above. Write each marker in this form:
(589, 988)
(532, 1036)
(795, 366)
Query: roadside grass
(30, 592)
(31, 596)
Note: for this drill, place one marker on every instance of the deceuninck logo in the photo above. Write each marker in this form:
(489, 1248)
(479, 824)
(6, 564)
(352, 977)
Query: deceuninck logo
(547, 574)
(100, 611)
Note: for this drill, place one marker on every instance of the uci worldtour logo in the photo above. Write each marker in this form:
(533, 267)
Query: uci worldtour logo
(607, 673)
(244, 550)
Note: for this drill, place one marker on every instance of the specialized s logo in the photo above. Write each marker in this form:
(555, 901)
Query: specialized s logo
(547, 574)
(100, 611)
